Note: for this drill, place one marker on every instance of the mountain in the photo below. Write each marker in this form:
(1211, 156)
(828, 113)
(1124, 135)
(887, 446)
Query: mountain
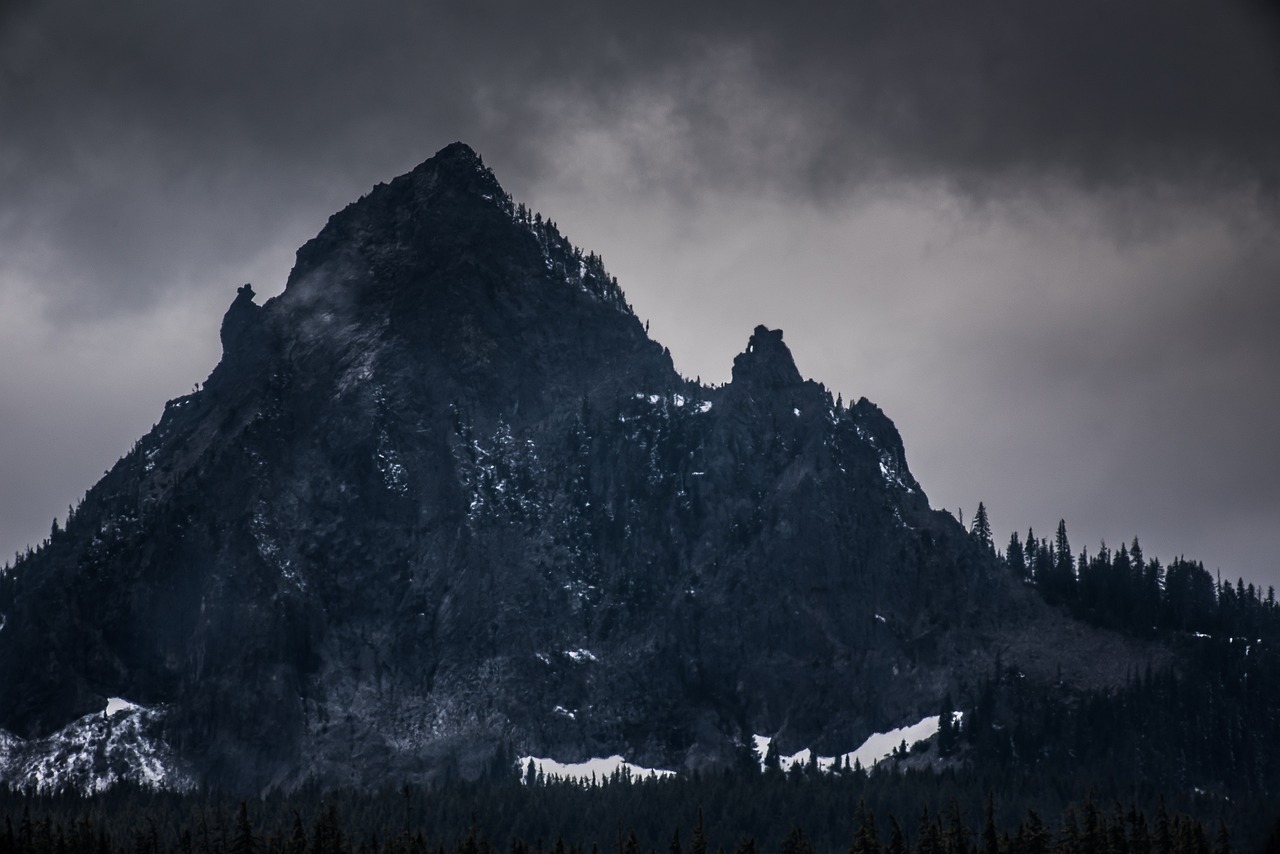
(443, 503)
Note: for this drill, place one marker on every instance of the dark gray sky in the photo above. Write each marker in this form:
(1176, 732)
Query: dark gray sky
(1043, 236)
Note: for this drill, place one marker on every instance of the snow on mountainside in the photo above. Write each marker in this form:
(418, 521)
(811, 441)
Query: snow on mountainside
(119, 744)
(590, 772)
(878, 747)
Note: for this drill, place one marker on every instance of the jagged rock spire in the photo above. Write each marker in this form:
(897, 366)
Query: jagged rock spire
(766, 363)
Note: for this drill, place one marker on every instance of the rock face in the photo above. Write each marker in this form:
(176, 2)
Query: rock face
(443, 503)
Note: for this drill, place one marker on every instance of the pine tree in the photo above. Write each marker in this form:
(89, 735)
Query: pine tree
(981, 530)
(1164, 837)
(990, 839)
(1070, 833)
(796, 842)
(948, 733)
(866, 840)
(699, 843)
(1014, 558)
(1092, 838)
(298, 839)
(957, 835)
(1223, 842)
(929, 836)
(328, 837)
(1060, 574)
(897, 839)
(243, 842)
(1033, 836)
(772, 759)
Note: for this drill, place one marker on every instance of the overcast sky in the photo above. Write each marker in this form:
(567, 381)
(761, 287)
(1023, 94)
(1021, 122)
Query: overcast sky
(1043, 236)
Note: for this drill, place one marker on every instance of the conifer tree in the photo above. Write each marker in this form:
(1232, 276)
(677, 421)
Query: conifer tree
(1222, 844)
(948, 734)
(772, 759)
(897, 839)
(1163, 836)
(981, 530)
(1014, 558)
(956, 840)
(1092, 837)
(1071, 833)
(1063, 564)
(243, 842)
(1034, 837)
(699, 843)
(298, 839)
(929, 836)
(796, 842)
(990, 839)
(866, 840)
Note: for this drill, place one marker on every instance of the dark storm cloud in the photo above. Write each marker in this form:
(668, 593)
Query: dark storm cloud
(128, 120)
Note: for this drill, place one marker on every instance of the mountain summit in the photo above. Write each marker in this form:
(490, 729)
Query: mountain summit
(443, 503)
(766, 364)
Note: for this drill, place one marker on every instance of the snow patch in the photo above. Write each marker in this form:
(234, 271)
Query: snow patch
(269, 548)
(592, 771)
(394, 476)
(679, 401)
(877, 747)
(502, 477)
(889, 471)
(118, 704)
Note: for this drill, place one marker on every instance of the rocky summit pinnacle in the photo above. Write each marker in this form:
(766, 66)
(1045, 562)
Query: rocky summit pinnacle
(767, 362)
(444, 503)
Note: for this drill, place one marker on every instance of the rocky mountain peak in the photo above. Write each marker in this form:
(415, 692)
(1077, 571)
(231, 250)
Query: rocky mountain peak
(766, 364)
(456, 156)
(444, 499)
(450, 198)
(458, 167)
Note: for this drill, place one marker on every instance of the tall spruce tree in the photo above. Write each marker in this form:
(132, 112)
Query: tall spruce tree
(981, 529)
(1014, 557)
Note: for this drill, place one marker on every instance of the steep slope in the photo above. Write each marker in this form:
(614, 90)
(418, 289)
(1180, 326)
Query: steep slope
(442, 502)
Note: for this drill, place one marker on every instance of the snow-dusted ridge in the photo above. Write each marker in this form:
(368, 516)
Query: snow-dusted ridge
(120, 744)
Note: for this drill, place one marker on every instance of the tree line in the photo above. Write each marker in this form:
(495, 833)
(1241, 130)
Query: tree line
(617, 816)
